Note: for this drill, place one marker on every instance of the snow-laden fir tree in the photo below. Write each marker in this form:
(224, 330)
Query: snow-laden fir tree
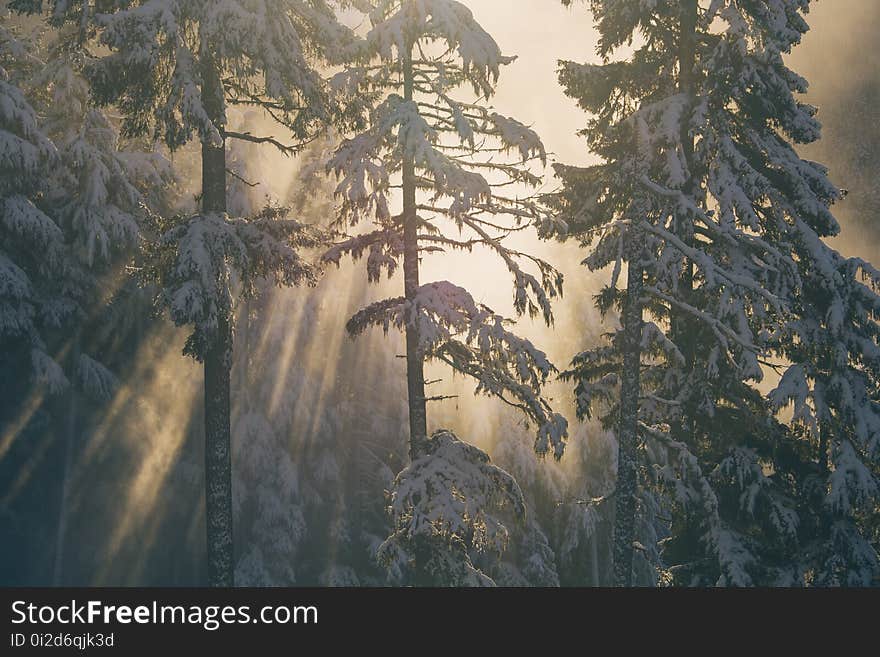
(449, 504)
(268, 514)
(92, 200)
(32, 250)
(430, 174)
(86, 209)
(702, 195)
(830, 380)
(173, 69)
(644, 207)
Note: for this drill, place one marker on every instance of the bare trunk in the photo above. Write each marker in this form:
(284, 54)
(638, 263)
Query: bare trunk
(630, 387)
(415, 366)
(218, 362)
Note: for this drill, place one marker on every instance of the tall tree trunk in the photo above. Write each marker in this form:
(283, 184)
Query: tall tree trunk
(681, 326)
(687, 59)
(626, 490)
(218, 361)
(415, 366)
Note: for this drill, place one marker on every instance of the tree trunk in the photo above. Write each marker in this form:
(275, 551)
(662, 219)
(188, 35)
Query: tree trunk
(687, 59)
(415, 366)
(630, 388)
(682, 327)
(218, 362)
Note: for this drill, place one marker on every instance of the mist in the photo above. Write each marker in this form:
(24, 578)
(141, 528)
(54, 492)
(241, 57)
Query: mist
(839, 60)
(130, 494)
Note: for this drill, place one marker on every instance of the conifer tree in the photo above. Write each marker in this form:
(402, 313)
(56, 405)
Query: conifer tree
(448, 506)
(831, 378)
(32, 251)
(92, 188)
(173, 69)
(445, 157)
(704, 198)
(93, 192)
(451, 161)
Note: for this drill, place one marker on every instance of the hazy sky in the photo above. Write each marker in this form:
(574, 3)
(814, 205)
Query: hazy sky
(839, 49)
(838, 53)
(540, 32)
(840, 58)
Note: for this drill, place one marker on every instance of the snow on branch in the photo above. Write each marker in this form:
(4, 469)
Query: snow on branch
(385, 247)
(446, 20)
(693, 489)
(199, 261)
(473, 340)
(268, 52)
(448, 502)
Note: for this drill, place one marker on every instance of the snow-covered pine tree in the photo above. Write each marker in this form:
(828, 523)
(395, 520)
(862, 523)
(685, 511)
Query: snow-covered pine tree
(173, 69)
(268, 514)
(451, 161)
(695, 130)
(92, 193)
(201, 262)
(449, 504)
(91, 189)
(445, 156)
(32, 251)
(831, 378)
